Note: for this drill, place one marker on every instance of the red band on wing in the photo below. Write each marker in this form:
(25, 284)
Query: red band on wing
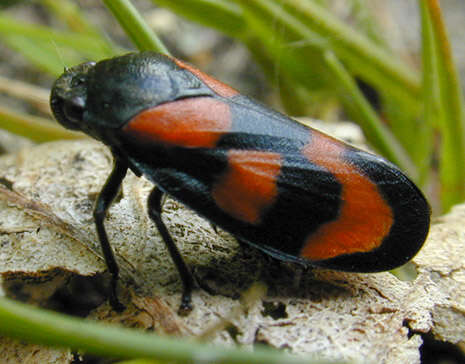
(192, 122)
(364, 219)
(248, 186)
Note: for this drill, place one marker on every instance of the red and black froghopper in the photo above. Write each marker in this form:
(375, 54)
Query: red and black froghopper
(286, 189)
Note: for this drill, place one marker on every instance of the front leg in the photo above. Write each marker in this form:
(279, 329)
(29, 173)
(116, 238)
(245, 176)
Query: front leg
(154, 208)
(104, 201)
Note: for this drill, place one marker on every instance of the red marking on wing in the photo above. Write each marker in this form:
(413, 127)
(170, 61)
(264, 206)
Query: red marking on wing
(191, 122)
(365, 217)
(248, 187)
(219, 87)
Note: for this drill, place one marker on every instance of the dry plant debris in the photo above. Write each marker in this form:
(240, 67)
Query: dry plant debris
(47, 237)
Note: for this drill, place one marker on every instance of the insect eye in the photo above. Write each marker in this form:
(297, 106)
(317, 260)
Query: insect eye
(73, 111)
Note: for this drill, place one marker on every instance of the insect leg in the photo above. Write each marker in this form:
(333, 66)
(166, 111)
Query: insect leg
(154, 208)
(104, 201)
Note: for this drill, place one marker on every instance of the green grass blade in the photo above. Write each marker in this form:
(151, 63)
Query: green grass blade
(280, 33)
(35, 128)
(430, 81)
(41, 54)
(297, 75)
(228, 17)
(364, 21)
(452, 163)
(39, 326)
(70, 13)
(135, 26)
(223, 15)
(368, 119)
(310, 67)
(85, 44)
(362, 56)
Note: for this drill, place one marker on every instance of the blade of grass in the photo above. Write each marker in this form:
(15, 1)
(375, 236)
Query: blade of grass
(365, 20)
(367, 118)
(430, 90)
(376, 132)
(87, 45)
(223, 15)
(398, 85)
(452, 164)
(294, 97)
(227, 17)
(45, 327)
(40, 53)
(281, 34)
(69, 12)
(406, 102)
(35, 128)
(135, 26)
(362, 56)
